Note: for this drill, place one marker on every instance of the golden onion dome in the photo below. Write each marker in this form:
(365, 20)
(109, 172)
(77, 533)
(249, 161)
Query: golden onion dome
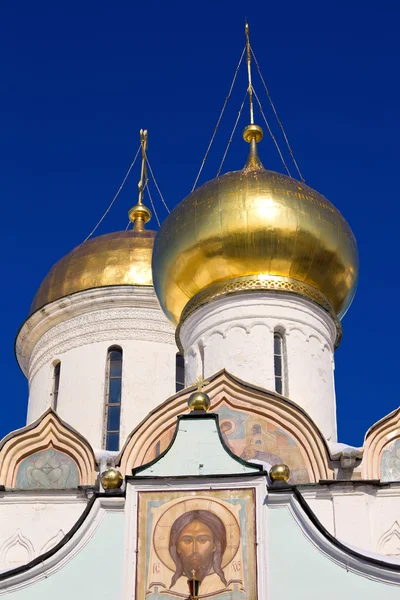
(119, 258)
(254, 229)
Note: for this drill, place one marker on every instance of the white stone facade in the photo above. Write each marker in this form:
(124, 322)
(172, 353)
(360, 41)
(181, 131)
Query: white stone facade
(31, 523)
(236, 333)
(78, 331)
(361, 515)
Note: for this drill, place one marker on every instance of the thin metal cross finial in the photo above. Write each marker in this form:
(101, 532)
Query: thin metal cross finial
(200, 383)
(143, 173)
(250, 88)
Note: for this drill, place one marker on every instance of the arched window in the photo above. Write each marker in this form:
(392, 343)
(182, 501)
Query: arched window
(55, 384)
(179, 372)
(113, 398)
(279, 362)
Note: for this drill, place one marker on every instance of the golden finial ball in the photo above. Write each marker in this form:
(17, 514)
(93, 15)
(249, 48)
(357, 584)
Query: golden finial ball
(111, 479)
(199, 401)
(280, 473)
(253, 132)
(139, 211)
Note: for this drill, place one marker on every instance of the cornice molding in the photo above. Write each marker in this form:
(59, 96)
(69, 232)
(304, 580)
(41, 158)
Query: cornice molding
(123, 312)
(261, 308)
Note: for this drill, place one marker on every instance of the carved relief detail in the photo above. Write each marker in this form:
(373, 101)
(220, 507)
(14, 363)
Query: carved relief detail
(293, 315)
(100, 326)
(53, 541)
(123, 312)
(17, 549)
(389, 543)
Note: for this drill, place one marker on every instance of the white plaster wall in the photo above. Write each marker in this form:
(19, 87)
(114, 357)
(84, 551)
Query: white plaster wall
(236, 333)
(31, 523)
(364, 516)
(78, 330)
(89, 565)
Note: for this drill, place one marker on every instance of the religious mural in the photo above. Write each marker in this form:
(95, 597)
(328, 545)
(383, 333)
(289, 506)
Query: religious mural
(251, 437)
(390, 462)
(48, 469)
(207, 535)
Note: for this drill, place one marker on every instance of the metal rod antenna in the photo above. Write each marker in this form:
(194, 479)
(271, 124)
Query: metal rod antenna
(250, 89)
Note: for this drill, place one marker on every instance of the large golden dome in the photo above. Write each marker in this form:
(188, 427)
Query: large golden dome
(120, 258)
(254, 229)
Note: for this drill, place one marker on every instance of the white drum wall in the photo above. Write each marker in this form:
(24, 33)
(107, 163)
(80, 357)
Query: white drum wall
(78, 331)
(236, 333)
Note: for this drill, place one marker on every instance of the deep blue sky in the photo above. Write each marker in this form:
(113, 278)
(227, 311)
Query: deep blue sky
(79, 79)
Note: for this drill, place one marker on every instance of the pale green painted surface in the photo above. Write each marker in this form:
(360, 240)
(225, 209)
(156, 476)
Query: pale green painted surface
(197, 450)
(95, 572)
(298, 570)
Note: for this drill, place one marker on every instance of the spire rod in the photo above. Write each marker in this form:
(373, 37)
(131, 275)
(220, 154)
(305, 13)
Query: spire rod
(250, 88)
(252, 133)
(143, 172)
(139, 214)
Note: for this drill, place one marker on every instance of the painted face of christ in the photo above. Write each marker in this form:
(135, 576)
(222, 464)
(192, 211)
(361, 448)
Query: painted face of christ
(195, 548)
(197, 544)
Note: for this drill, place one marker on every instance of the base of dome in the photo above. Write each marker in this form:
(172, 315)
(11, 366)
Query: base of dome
(249, 283)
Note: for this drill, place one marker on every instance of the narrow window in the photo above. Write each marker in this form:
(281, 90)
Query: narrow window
(113, 398)
(278, 362)
(179, 372)
(56, 384)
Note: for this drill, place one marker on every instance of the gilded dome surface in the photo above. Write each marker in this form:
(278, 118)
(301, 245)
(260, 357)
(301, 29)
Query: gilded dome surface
(254, 229)
(119, 258)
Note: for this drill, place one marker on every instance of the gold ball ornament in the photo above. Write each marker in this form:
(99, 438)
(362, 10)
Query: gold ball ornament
(111, 479)
(279, 473)
(139, 211)
(253, 132)
(199, 401)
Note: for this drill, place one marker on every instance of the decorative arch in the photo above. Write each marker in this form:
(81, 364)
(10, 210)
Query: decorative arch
(21, 544)
(380, 440)
(49, 433)
(236, 402)
(53, 541)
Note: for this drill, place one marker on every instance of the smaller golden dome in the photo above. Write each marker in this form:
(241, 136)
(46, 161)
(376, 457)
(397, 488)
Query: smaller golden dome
(280, 473)
(199, 401)
(111, 479)
(119, 258)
